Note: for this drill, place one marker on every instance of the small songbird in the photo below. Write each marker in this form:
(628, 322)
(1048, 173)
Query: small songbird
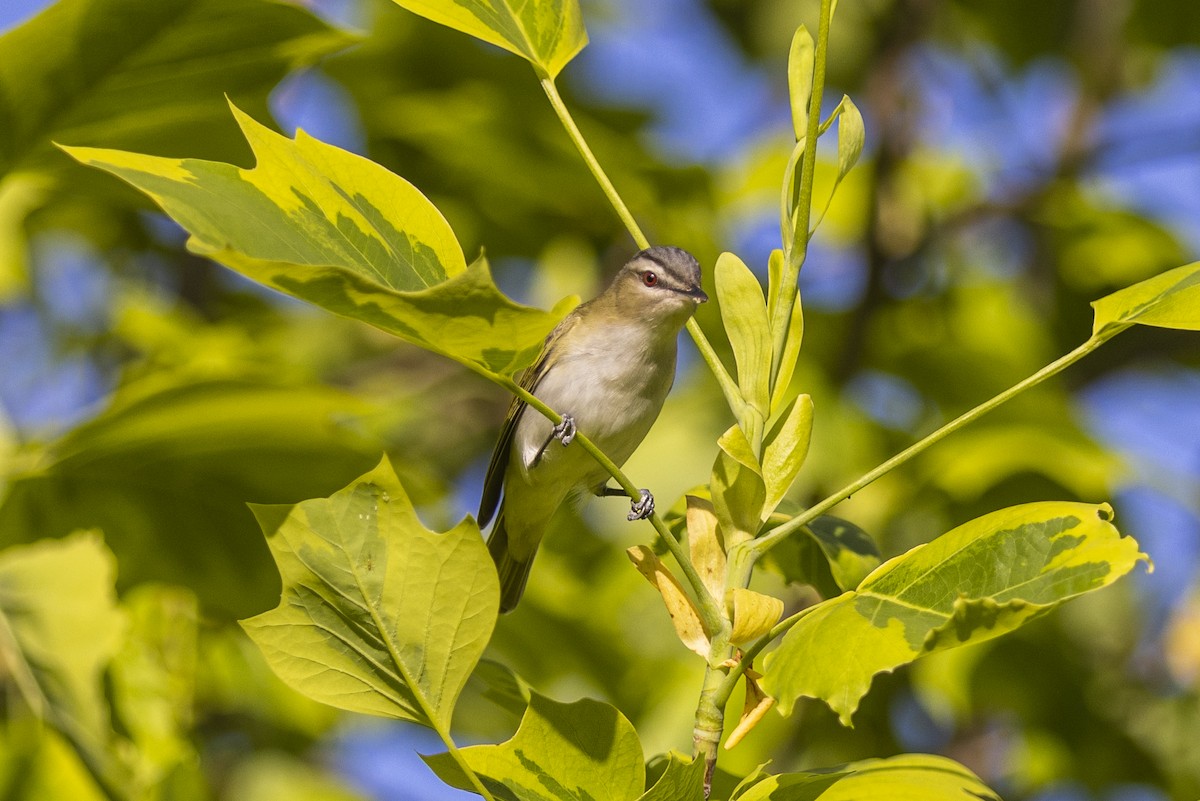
(606, 368)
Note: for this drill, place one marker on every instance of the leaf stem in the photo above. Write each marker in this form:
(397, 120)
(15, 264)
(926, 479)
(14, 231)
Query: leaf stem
(710, 612)
(721, 696)
(768, 541)
(471, 775)
(726, 382)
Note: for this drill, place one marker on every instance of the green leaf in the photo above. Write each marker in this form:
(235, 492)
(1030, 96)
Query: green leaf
(801, 59)
(681, 779)
(343, 233)
(851, 136)
(744, 313)
(146, 76)
(738, 491)
(582, 751)
(184, 458)
(378, 614)
(1170, 300)
(275, 776)
(981, 580)
(833, 556)
(786, 447)
(546, 33)
(59, 627)
(909, 777)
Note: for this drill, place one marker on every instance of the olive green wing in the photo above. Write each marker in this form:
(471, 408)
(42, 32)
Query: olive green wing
(493, 483)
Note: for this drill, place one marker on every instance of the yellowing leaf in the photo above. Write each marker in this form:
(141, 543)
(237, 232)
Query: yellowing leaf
(752, 614)
(704, 543)
(546, 33)
(378, 614)
(756, 705)
(683, 612)
(979, 581)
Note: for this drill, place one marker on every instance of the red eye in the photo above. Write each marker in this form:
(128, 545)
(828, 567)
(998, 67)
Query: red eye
(649, 278)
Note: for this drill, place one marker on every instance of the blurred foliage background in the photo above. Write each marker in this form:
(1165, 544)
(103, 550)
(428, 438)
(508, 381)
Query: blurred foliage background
(1023, 158)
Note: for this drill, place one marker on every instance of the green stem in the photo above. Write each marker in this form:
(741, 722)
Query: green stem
(768, 541)
(471, 775)
(710, 612)
(730, 680)
(726, 382)
(798, 251)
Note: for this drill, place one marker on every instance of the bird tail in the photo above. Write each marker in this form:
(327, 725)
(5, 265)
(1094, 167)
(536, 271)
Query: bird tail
(513, 572)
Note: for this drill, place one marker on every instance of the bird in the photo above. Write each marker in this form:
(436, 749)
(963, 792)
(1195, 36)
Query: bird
(606, 369)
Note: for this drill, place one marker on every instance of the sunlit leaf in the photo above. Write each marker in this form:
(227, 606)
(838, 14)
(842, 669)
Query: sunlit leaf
(343, 233)
(751, 613)
(705, 546)
(145, 76)
(681, 780)
(785, 448)
(744, 313)
(1170, 300)
(270, 775)
(59, 627)
(754, 708)
(851, 136)
(378, 614)
(981, 580)
(547, 33)
(561, 752)
(911, 777)
(800, 79)
(684, 616)
(738, 491)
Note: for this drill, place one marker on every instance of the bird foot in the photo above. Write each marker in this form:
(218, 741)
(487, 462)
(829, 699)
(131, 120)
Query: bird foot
(640, 510)
(564, 432)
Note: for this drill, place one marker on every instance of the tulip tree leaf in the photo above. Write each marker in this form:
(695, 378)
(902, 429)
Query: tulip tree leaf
(59, 628)
(546, 33)
(983, 579)
(378, 614)
(1170, 300)
(801, 59)
(744, 314)
(681, 780)
(561, 752)
(785, 448)
(738, 490)
(342, 233)
(833, 556)
(145, 76)
(907, 777)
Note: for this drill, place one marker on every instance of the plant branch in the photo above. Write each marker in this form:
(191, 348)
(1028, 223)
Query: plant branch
(768, 541)
(795, 255)
(726, 382)
(710, 612)
(731, 678)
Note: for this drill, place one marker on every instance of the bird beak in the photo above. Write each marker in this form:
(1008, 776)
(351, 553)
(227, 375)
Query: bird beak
(697, 294)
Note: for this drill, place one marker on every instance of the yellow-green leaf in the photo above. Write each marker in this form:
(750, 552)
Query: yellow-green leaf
(738, 491)
(908, 777)
(979, 581)
(343, 233)
(800, 79)
(786, 446)
(378, 614)
(583, 750)
(744, 314)
(1170, 300)
(546, 33)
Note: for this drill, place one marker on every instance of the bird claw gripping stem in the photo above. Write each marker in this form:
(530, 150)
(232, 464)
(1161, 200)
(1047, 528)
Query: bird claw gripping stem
(640, 510)
(564, 432)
